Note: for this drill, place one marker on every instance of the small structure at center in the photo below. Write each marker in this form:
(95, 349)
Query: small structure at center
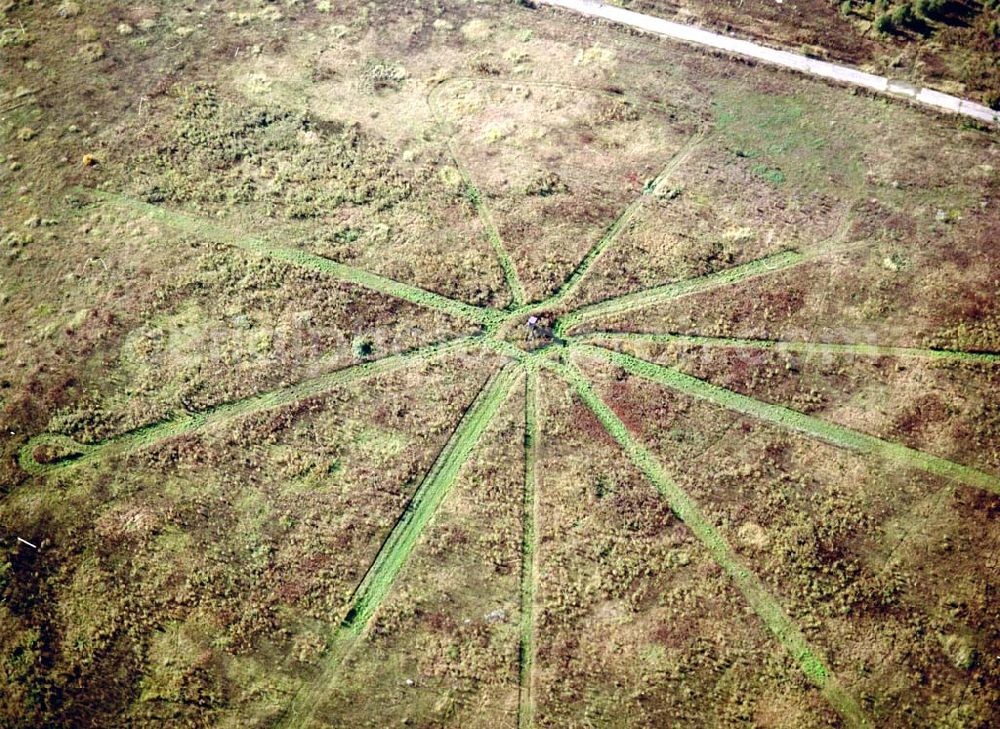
(534, 328)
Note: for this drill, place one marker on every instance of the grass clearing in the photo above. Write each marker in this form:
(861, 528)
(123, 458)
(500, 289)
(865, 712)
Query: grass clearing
(785, 141)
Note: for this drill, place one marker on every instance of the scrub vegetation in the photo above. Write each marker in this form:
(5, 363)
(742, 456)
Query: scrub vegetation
(458, 364)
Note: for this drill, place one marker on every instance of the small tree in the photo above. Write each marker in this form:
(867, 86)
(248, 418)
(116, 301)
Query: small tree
(883, 23)
(362, 347)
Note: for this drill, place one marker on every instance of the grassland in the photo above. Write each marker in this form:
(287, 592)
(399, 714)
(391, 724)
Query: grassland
(291, 455)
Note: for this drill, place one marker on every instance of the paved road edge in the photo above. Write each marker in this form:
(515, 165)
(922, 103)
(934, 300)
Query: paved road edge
(786, 59)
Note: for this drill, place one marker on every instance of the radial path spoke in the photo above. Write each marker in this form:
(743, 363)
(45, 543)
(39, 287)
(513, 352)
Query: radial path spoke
(794, 420)
(865, 350)
(427, 498)
(399, 544)
(666, 292)
(687, 510)
(475, 196)
(303, 259)
(726, 277)
(657, 184)
(529, 551)
(79, 453)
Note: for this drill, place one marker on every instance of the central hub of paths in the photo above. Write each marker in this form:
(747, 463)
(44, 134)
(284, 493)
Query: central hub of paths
(529, 331)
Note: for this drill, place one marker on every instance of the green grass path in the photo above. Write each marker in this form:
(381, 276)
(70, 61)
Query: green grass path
(529, 555)
(611, 235)
(427, 498)
(773, 263)
(789, 419)
(401, 541)
(475, 196)
(156, 432)
(772, 614)
(666, 292)
(341, 272)
(865, 350)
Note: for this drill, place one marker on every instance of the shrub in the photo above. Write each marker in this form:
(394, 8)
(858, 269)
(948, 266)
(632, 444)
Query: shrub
(883, 23)
(928, 8)
(378, 75)
(471, 194)
(902, 16)
(545, 184)
(363, 347)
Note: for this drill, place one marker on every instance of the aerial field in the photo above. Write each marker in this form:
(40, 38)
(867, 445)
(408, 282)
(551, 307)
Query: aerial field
(468, 364)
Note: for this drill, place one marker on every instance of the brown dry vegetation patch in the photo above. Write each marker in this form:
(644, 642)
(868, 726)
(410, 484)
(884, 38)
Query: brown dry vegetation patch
(554, 166)
(631, 604)
(450, 623)
(846, 545)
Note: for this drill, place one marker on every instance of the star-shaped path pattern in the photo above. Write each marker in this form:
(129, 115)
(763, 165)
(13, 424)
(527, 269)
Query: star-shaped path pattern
(563, 335)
